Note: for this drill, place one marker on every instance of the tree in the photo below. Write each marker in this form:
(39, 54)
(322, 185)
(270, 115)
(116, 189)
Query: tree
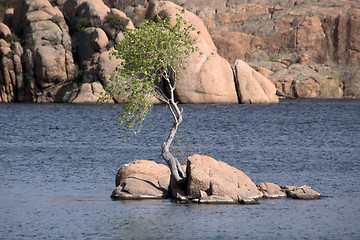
(153, 55)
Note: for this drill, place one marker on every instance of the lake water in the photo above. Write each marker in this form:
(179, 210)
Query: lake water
(58, 164)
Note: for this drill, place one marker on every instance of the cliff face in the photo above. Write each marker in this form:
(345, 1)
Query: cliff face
(286, 38)
(252, 29)
(308, 49)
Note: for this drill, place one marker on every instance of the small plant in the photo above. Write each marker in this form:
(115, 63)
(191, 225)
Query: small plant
(11, 38)
(117, 22)
(82, 24)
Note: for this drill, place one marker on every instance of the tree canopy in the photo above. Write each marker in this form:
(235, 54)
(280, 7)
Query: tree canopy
(152, 55)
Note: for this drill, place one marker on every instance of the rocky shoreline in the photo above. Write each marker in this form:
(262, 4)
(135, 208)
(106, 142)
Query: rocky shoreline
(58, 51)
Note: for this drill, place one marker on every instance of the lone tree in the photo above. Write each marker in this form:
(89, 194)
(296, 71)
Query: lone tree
(153, 55)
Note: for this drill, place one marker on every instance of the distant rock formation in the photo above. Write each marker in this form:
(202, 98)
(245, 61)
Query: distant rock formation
(47, 53)
(325, 32)
(253, 87)
(48, 60)
(209, 181)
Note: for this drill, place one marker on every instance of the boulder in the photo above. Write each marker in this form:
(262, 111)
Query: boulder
(107, 66)
(112, 29)
(306, 89)
(89, 93)
(253, 88)
(142, 179)
(271, 190)
(304, 192)
(93, 12)
(210, 180)
(208, 78)
(98, 38)
(4, 30)
(121, 14)
(89, 44)
(50, 66)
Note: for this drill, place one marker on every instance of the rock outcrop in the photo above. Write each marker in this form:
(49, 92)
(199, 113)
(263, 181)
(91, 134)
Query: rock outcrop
(48, 59)
(40, 71)
(304, 192)
(324, 31)
(296, 80)
(47, 54)
(271, 190)
(142, 179)
(253, 87)
(211, 180)
(64, 52)
(89, 93)
(208, 77)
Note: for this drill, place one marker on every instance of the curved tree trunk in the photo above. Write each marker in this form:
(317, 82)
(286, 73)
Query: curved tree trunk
(177, 172)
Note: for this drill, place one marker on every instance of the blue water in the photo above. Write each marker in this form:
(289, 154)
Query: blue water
(58, 164)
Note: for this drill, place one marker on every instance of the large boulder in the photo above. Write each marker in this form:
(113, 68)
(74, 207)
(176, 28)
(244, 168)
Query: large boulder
(142, 179)
(208, 78)
(107, 66)
(215, 181)
(89, 93)
(253, 87)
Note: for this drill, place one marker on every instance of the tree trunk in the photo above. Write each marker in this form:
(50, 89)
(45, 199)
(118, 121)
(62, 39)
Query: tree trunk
(177, 172)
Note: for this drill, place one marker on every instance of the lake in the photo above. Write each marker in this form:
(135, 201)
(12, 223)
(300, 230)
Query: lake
(58, 164)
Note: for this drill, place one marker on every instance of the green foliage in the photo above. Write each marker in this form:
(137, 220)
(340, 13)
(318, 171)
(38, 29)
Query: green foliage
(117, 22)
(11, 38)
(151, 54)
(82, 24)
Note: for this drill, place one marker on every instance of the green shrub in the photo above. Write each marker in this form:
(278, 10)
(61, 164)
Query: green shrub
(82, 24)
(117, 22)
(11, 38)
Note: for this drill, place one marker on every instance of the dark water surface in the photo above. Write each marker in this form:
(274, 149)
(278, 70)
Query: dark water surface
(58, 164)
